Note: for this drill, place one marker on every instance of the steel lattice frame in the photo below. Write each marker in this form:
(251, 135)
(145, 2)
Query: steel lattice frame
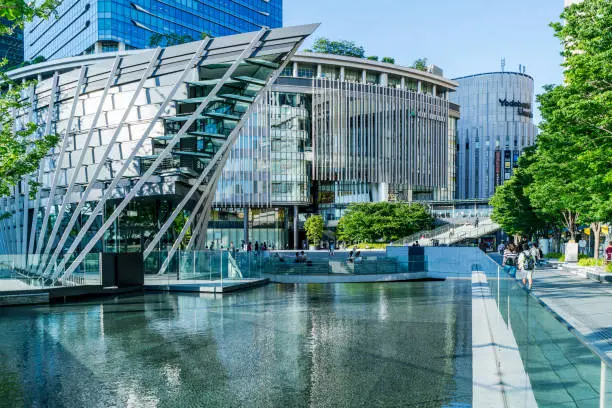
(75, 173)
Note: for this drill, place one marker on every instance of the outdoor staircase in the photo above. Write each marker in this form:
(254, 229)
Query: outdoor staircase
(450, 234)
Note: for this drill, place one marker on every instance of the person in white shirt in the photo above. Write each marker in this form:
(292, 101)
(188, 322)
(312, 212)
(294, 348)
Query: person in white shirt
(582, 245)
(526, 264)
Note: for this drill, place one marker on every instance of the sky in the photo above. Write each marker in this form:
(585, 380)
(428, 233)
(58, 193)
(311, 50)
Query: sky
(462, 37)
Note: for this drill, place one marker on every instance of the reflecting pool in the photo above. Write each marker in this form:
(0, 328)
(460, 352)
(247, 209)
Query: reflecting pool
(345, 345)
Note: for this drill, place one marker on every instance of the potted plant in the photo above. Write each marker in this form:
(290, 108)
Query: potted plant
(314, 230)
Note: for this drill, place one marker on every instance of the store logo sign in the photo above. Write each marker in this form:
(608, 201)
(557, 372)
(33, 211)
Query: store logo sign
(524, 109)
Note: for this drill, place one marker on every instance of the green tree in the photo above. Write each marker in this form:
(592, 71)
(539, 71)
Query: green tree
(167, 40)
(388, 60)
(21, 144)
(420, 64)
(572, 175)
(19, 12)
(512, 208)
(346, 48)
(372, 58)
(314, 229)
(370, 222)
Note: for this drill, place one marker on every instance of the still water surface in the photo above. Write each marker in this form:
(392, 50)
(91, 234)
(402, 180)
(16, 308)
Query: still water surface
(397, 344)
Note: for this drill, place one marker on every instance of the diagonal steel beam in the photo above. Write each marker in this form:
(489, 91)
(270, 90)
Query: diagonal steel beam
(220, 159)
(102, 161)
(41, 170)
(77, 169)
(127, 163)
(26, 188)
(58, 164)
(167, 151)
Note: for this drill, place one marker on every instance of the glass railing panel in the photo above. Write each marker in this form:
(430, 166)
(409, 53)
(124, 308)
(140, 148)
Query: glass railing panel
(562, 370)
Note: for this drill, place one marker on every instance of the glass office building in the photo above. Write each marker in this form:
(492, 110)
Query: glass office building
(496, 125)
(93, 26)
(11, 46)
(333, 131)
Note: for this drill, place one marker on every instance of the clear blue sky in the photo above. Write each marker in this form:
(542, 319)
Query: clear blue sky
(463, 37)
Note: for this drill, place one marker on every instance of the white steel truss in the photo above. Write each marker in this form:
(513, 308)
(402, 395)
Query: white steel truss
(85, 102)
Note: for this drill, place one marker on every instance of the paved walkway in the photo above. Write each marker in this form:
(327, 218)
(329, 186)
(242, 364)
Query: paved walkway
(584, 304)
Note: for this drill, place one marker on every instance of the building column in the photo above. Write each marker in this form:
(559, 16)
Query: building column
(434, 90)
(121, 46)
(295, 227)
(245, 232)
(403, 83)
(383, 79)
(419, 86)
(295, 69)
(342, 73)
(383, 192)
(319, 70)
(363, 76)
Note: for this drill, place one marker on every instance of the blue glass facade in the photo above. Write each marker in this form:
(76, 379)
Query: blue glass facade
(11, 46)
(84, 26)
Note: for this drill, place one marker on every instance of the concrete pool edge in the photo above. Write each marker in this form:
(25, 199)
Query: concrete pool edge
(499, 377)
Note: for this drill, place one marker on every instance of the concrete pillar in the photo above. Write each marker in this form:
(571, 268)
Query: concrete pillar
(319, 71)
(295, 69)
(98, 47)
(295, 227)
(383, 192)
(342, 73)
(121, 46)
(403, 83)
(383, 79)
(419, 86)
(363, 76)
(434, 90)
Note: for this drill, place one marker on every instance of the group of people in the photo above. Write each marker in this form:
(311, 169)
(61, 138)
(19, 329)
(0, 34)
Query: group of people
(522, 257)
(249, 247)
(301, 257)
(354, 256)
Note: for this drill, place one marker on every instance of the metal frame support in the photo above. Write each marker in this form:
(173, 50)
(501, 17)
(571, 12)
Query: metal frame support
(102, 161)
(41, 170)
(167, 151)
(60, 159)
(220, 159)
(60, 215)
(127, 163)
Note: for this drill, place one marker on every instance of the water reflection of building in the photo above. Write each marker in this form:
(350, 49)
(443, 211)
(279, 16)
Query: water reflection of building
(333, 131)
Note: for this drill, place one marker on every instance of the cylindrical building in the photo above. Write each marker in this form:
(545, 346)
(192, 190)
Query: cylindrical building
(496, 125)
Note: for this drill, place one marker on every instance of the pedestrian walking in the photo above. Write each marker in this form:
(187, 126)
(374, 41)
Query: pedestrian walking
(608, 252)
(509, 260)
(526, 264)
(500, 248)
(331, 248)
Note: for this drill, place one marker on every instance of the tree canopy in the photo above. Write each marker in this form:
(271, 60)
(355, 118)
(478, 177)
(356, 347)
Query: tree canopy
(512, 208)
(341, 47)
(420, 64)
(569, 176)
(22, 145)
(371, 222)
(18, 12)
(388, 60)
(314, 229)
